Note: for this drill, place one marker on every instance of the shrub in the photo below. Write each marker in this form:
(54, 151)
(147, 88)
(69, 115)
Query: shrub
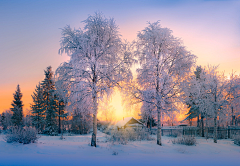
(115, 153)
(174, 134)
(124, 135)
(185, 140)
(24, 135)
(236, 140)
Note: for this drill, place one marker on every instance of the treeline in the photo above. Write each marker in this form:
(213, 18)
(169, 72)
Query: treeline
(101, 61)
(48, 111)
(213, 99)
(206, 93)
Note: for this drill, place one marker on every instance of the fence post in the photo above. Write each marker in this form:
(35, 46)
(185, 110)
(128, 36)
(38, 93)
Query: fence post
(183, 131)
(171, 132)
(229, 135)
(162, 132)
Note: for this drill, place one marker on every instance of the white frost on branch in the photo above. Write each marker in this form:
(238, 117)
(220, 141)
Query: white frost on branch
(164, 62)
(99, 61)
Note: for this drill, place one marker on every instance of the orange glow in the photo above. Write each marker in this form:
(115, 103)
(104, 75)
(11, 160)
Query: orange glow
(6, 96)
(182, 115)
(116, 109)
(116, 102)
(201, 48)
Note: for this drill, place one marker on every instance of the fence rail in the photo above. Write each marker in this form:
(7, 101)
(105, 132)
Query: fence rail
(223, 133)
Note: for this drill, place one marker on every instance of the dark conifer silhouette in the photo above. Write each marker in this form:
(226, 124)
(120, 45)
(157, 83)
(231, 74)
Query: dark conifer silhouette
(50, 102)
(17, 118)
(38, 115)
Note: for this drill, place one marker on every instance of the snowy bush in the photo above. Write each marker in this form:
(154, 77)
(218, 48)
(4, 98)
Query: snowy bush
(236, 140)
(185, 140)
(115, 153)
(24, 135)
(175, 133)
(122, 136)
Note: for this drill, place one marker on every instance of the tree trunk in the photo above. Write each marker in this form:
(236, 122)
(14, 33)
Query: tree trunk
(159, 142)
(215, 117)
(206, 128)
(190, 122)
(38, 121)
(202, 126)
(215, 129)
(151, 124)
(59, 119)
(94, 135)
(233, 118)
(198, 121)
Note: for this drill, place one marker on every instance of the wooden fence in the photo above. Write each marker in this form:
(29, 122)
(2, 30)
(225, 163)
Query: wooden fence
(223, 133)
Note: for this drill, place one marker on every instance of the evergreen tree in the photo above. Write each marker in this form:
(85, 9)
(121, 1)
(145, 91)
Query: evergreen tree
(17, 108)
(61, 112)
(196, 98)
(80, 123)
(38, 115)
(50, 102)
(194, 109)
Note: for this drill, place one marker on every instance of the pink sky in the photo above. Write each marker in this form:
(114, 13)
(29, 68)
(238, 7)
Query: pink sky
(30, 34)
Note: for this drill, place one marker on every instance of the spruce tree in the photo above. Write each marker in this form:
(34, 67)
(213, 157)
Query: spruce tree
(61, 112)
(50, 102)
(38, 115)
(17, 118)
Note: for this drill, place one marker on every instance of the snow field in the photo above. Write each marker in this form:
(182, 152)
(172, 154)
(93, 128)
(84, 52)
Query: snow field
(76, 150)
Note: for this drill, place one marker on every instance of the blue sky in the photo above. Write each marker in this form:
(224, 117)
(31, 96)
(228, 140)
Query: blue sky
(30, 33)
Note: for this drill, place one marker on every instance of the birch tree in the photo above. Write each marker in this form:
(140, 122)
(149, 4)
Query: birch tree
(148, 112)
(217, 95)
(164, 62)
(98, 58)
(233, 97)
(74, 96)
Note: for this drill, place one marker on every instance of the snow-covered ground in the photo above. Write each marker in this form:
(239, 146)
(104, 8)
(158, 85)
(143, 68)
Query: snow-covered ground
(75, 150)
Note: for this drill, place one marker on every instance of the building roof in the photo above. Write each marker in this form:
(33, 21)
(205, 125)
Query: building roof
(128, 121)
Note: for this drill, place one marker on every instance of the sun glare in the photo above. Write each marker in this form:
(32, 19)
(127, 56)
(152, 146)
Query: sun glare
(113, 110)
(116, 102)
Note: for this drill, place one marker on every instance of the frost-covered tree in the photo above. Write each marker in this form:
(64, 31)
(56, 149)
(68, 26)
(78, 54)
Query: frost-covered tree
(6, 120)
(190, 87)
(148, 112)
(233, 97)
(217, 99)
(62, 91)
(164, 62)
(38, 112)
(74, 99)
(27, 120)
(98, 58)
(107, 111)
(17, 118)
(81, 122)
(196, 96)
(50, 102)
